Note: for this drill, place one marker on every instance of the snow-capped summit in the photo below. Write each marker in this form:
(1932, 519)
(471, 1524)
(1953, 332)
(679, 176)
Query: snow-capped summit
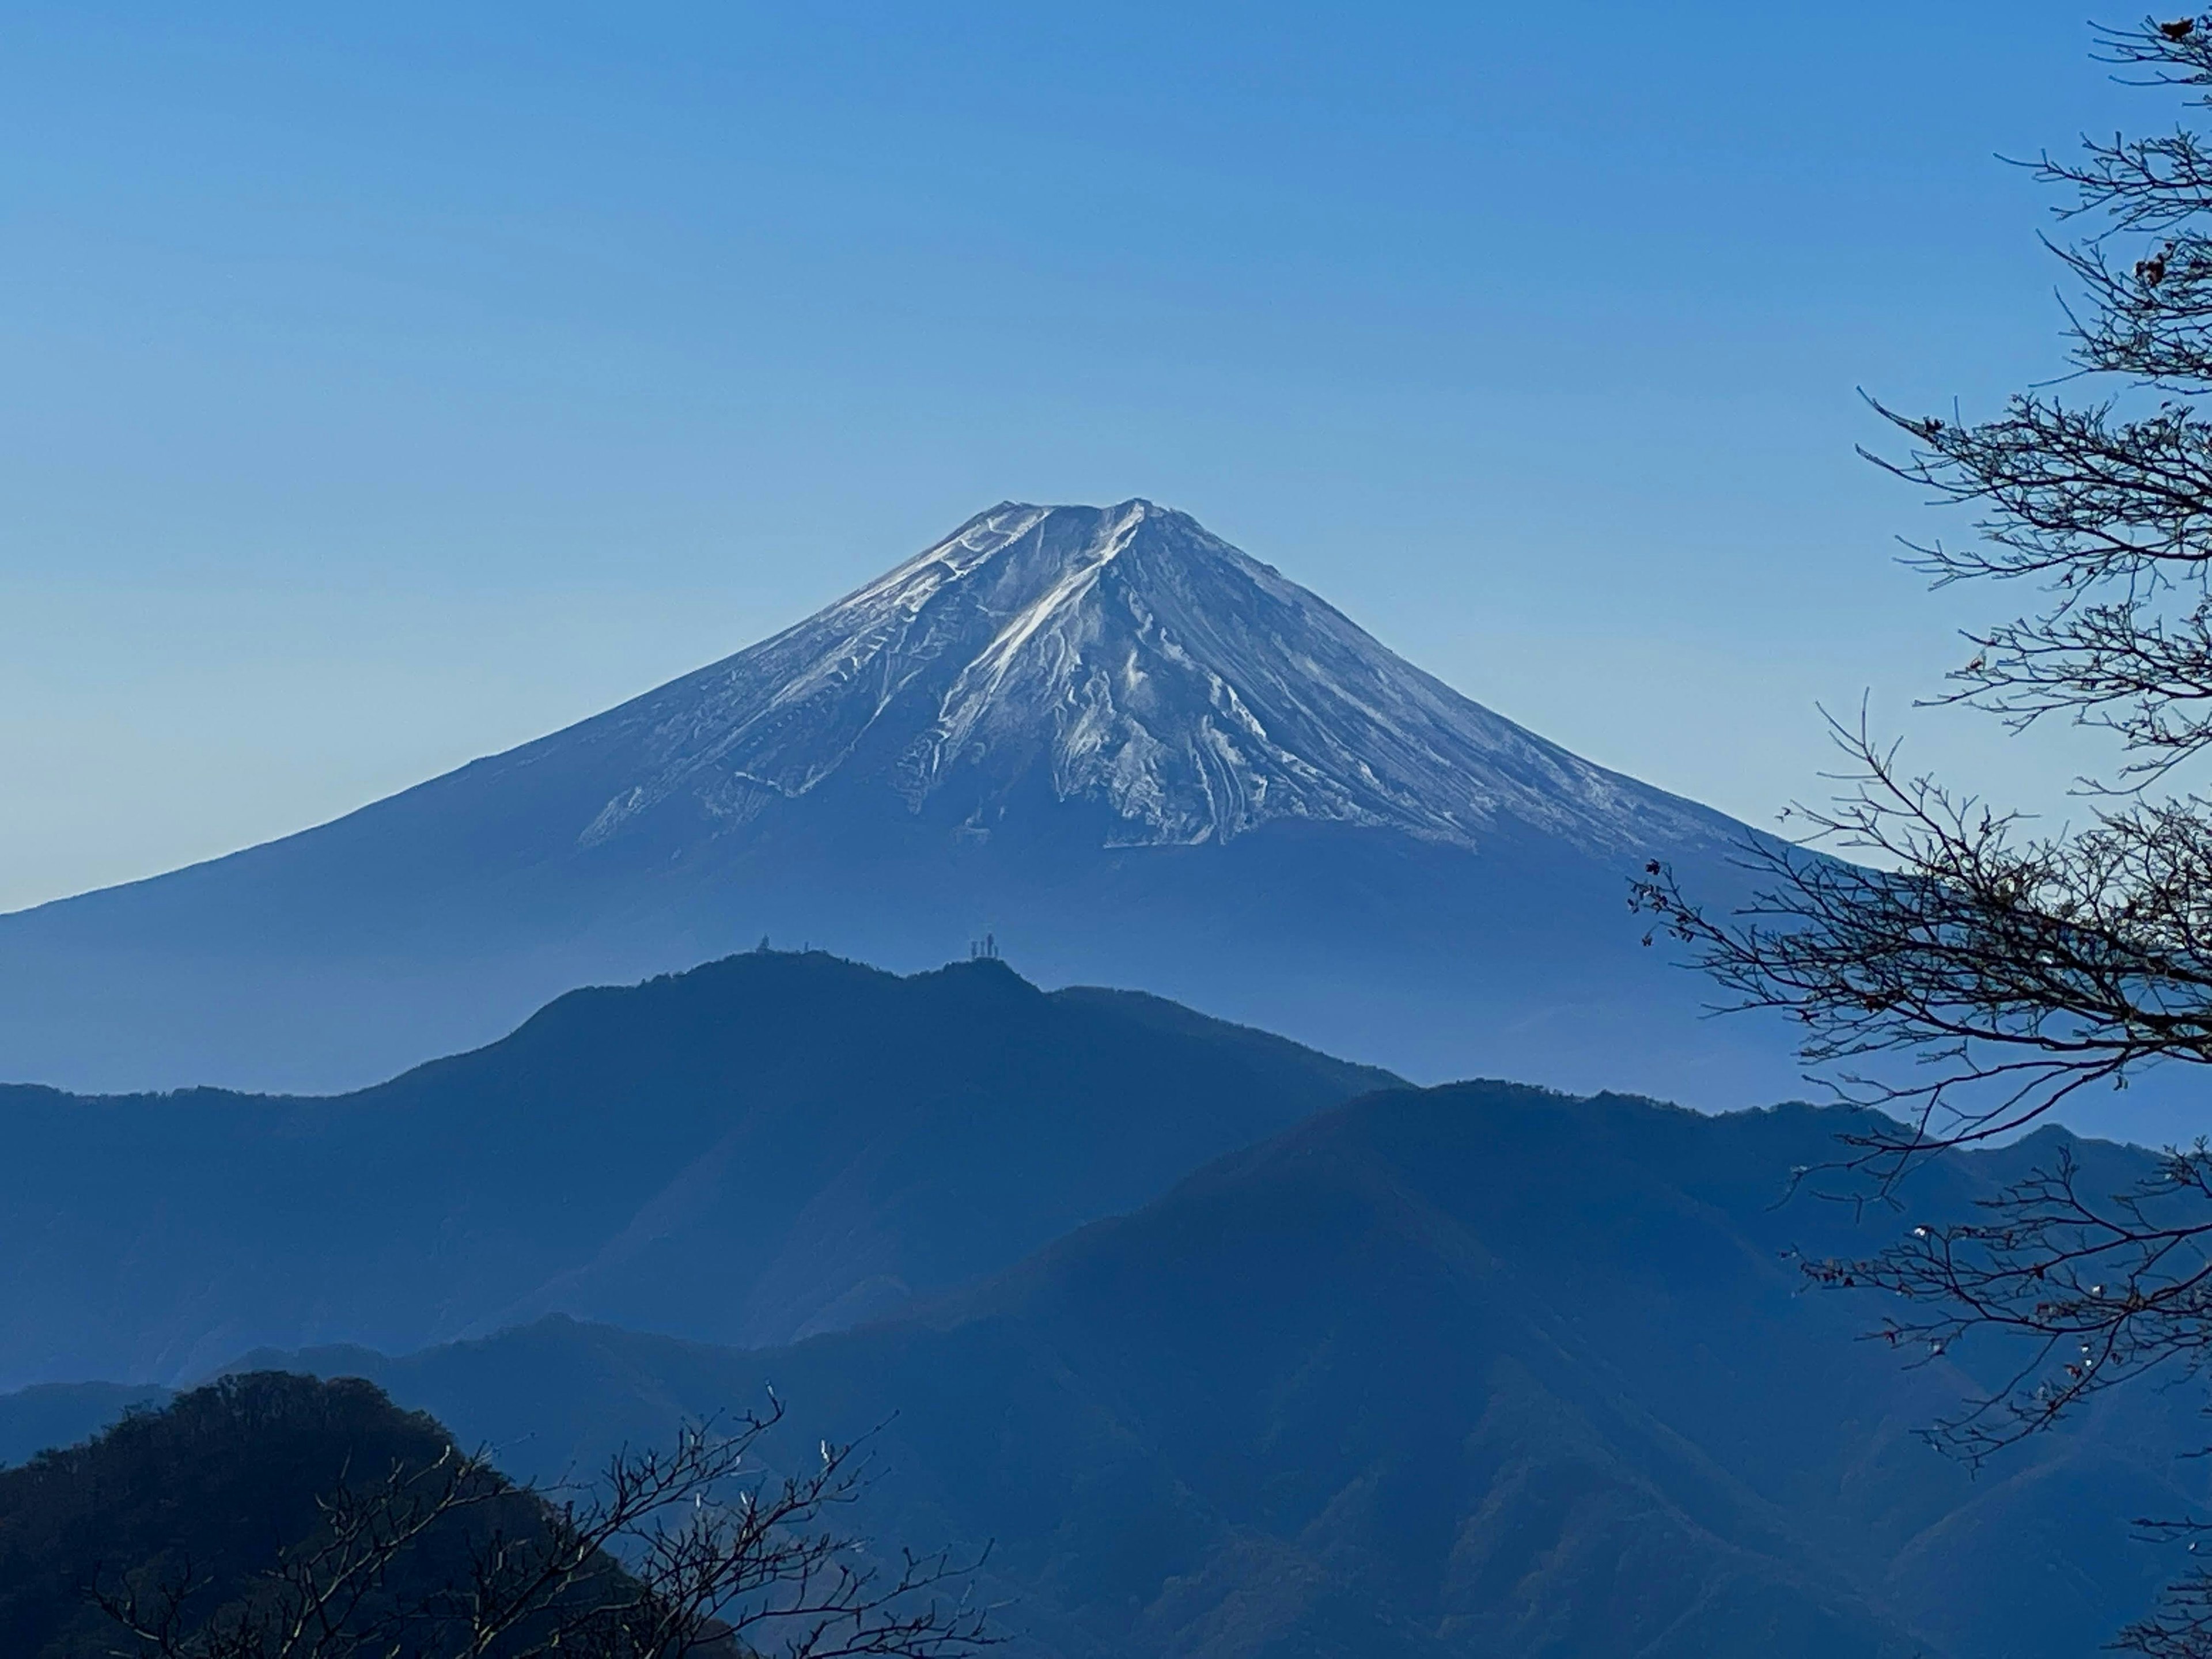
(1138, 664)
(1129, 752)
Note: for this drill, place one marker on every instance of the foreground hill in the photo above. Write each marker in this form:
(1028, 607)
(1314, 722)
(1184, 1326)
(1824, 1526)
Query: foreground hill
(1475, 1370)
(50, 1414)
(214, 1487)
(765, 1146)
(1137, 755)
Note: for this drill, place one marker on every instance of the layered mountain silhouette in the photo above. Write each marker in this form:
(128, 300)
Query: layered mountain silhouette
(1128, 751)
(1477, 1370)
(1232, 1349)
(1474, 1371)
(761, 1148)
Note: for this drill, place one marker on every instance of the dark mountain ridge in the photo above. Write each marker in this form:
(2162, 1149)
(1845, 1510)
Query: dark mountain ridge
(1135, 754)
(215, 1489)
(1472, 1371)
(770, 1145)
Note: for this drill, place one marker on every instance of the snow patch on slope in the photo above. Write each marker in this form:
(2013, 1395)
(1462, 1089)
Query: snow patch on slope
(1144, 665)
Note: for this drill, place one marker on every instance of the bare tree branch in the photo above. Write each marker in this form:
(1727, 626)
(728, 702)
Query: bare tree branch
(1966, 976)
(691, 1551)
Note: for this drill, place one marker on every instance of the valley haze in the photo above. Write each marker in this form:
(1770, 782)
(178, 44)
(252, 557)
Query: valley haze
(1133, 753)
(710, 1051)
(1226, 1346)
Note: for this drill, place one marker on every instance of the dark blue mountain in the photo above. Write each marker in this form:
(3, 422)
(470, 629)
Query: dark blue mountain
(1131, 752)
(49, 1414)
(1471, 1371)
(206, 1497)
(765, 1146)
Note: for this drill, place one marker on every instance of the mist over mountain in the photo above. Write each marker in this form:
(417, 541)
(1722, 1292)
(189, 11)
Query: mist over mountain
(1474, 1370)
(765, 1146)
(1131, 752)
(1481, 1370)
(1230, 1348)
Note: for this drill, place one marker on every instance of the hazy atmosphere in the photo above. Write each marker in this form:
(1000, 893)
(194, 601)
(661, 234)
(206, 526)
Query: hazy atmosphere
(1293, 832)
(384, 389)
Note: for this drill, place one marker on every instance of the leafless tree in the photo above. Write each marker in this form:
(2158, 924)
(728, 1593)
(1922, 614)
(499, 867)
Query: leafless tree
(1944, 961)
(692, 1551)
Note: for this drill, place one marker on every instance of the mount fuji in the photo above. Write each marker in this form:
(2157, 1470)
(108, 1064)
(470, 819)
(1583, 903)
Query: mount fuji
(1124, 750)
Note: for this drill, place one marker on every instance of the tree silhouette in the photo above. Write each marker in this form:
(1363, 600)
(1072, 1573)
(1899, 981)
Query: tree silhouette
(1966, 974)
(693, 1550)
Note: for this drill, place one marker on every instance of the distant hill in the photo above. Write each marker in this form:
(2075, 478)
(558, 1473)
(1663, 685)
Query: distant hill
(772, 1145)
(1471, 1371)
(1135, 754)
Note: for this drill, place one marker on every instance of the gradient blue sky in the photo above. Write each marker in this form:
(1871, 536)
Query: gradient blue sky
(384, 386)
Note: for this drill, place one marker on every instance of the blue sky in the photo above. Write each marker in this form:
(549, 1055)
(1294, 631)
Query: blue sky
(382, 387)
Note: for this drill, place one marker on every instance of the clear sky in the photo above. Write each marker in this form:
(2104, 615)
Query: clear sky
(383, 385)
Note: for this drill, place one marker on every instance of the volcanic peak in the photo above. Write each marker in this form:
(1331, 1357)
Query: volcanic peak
(1135, 662)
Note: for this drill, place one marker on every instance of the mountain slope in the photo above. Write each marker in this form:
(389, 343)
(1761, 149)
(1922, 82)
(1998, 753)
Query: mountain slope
(1136, 755)
(1155, 673)
(49, 1414)
(766, 1145)
(1475, 1370)
(212, 1491)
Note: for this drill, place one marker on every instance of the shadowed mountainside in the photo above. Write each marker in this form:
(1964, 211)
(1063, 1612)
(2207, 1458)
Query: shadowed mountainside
(212, 1488)
(1475, 1370)
(764, 1146)
(48, 1414)
(1137, 755)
